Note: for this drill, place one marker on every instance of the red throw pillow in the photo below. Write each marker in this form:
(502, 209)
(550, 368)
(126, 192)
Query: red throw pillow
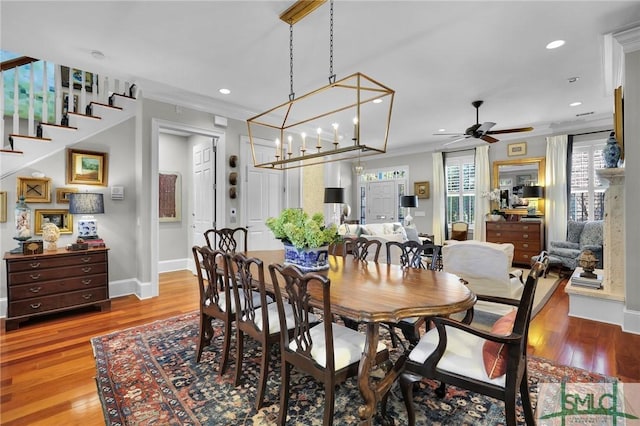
(494, 354)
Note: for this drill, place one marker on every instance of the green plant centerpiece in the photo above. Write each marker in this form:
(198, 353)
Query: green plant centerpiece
(306, 239)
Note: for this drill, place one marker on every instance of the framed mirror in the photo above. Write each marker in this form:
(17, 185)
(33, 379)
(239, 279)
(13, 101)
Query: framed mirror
(510, 176)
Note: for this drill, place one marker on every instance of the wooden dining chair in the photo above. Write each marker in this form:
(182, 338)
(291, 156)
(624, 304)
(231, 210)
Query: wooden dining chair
(327, 351)
(227, 239)
(364, 249)
(459, 231)
(492, 363)
(215, 299)
(412, 255)
(259, 322)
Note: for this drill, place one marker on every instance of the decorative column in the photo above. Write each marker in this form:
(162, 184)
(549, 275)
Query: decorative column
(614, 235)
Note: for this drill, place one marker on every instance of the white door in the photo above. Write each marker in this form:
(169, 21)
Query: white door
(382, 202)
(263, 198)
(204, 166)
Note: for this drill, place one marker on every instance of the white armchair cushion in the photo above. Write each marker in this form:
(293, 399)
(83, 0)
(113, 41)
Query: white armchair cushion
(348, 345)
(463, 354)
(485, 266)
(274, 320)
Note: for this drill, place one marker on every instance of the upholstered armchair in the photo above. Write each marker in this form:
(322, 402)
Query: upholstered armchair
(580, 236)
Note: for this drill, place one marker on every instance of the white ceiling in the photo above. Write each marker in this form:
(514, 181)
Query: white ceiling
(437, 55)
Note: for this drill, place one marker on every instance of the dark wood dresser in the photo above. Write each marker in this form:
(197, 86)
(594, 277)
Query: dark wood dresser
(526, 237)
(55, 281)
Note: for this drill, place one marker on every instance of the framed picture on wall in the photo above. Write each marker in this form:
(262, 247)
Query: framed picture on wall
(62, 194)
(421, 189)
(59, 217)
(169, 204)
(514, 149)
(86, 167)
(34, 190)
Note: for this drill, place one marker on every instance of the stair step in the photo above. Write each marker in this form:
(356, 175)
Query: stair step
(14, 135)
(59, 126)
(106, 105)
(77, 114)
(11, 151)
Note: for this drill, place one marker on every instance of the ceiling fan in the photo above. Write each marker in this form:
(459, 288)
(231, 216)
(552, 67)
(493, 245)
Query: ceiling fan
(482, 131)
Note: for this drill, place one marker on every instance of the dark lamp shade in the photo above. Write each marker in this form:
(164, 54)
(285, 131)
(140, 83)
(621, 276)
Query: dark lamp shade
(409, 201)
(86, 203)
(334, 195)
(533, 191)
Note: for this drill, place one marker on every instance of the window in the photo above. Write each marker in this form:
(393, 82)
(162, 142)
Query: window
(24, 82)
(586, 201)
(461, 185)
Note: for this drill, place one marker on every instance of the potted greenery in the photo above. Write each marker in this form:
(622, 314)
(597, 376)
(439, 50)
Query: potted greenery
(306, 239)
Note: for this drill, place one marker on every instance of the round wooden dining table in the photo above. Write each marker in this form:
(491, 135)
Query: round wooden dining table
(373, 293)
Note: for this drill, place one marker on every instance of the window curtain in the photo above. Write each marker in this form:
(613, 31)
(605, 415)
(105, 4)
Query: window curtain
(556, 188)
(439, 194)
(483, 185)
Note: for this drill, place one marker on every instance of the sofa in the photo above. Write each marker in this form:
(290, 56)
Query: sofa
(388, 231)
(587, 235)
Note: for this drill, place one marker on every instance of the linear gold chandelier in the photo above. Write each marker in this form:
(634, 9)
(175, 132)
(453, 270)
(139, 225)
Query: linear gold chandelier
(345, 119)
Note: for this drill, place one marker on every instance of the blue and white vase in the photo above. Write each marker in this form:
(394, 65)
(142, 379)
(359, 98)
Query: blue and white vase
(611, 152)
(307, 259)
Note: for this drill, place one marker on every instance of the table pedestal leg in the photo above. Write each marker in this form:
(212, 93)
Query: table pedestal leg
(372, 393)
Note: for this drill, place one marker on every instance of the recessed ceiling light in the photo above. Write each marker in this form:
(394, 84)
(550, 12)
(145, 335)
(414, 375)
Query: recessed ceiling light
(572, 104)
(377, 101)
(97, 54)
(555, 44)
(224, 91)
(442, 130)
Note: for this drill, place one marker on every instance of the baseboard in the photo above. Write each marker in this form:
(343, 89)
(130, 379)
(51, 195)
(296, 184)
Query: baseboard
(631, 322)
(173, 265)
(596, 309)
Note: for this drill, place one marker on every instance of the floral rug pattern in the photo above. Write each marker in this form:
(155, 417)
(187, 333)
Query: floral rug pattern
(147, 375)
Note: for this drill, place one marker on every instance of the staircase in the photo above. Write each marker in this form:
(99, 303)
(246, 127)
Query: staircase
(102, 110)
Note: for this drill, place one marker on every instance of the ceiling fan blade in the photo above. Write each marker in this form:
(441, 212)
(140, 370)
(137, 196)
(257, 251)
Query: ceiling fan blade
(514, 130)
(455, 140)
(448, 134)
(488, 138)
(485, 126)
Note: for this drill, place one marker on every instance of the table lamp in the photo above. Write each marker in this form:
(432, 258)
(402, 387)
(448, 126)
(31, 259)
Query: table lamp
(408, 201)
(334, 196)
(86, 204)
(532, 192)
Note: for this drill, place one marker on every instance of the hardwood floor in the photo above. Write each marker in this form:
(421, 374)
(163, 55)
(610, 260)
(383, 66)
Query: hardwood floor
(47, 367)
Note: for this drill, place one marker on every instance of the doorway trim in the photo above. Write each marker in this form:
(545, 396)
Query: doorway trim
(157, 126)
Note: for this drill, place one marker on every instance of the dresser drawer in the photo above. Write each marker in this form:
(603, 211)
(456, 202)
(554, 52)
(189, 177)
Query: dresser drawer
(56, 301)
(37, 263)
(41, 275)
(510, 236)
(38, 289)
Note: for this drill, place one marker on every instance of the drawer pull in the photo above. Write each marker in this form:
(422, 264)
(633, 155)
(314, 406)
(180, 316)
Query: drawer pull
(34, 277)
(35, 265)
(525, 245)
(86, 282)
(86, 259)
(525, 227)
(498, 234)
(86, 269)
(526, 256)
(35, 289)
(35, 305)
(87, 296)
(525, 235)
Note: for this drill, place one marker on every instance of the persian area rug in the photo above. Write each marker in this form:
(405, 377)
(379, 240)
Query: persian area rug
(148, 375)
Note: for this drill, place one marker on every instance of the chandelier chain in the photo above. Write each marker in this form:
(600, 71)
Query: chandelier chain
(292, 95)
(332, 76)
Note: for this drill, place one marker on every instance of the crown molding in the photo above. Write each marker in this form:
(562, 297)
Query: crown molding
(629, 39)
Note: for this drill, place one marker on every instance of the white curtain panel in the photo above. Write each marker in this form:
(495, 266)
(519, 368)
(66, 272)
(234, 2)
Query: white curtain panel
(483, 185)
(556, 206)
(438, 199)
